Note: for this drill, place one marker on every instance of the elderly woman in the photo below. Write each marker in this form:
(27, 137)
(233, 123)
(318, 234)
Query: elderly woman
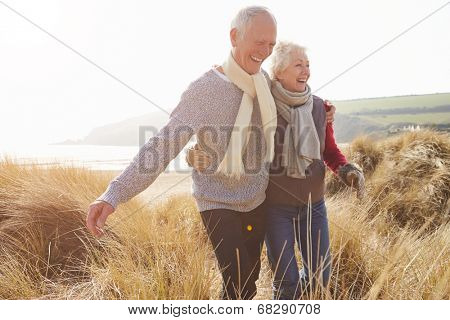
(296, 212)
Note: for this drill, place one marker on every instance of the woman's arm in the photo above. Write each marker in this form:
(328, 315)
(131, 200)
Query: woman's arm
(332, 155)
(349, 173)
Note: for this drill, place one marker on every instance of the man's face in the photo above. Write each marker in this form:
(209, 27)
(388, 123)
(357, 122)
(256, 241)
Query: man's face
(256, 44)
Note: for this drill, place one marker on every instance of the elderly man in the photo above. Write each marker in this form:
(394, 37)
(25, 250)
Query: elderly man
(232, 113)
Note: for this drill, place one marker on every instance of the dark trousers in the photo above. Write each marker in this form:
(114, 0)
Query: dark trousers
(237, 239)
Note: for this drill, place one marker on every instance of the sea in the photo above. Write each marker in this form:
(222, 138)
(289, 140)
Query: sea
(95, 157)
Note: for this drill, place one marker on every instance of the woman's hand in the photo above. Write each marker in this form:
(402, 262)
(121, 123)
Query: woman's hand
(353, 177)
(356, 180)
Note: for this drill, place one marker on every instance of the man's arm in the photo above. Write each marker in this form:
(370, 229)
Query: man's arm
(152, 158)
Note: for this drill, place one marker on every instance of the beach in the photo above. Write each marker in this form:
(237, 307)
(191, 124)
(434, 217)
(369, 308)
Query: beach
(167, 184)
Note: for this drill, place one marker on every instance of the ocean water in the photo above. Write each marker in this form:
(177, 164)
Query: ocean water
(93, 157)
(87, 156)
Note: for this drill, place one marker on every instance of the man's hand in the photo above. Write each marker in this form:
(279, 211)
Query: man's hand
(197, 158)
(98, 212)
(331, 110)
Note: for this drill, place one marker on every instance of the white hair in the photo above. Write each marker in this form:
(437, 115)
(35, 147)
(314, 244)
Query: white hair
(245, 15)
(282, 56)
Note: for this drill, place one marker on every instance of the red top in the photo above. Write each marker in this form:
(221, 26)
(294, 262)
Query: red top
(332, 156)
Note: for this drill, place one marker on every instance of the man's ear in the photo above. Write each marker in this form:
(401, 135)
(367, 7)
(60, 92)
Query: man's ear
(233, 37)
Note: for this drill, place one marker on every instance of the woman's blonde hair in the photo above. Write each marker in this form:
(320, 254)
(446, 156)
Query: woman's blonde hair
(282, 55)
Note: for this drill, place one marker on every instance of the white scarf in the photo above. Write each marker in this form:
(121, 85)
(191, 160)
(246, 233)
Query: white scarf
(253, 86)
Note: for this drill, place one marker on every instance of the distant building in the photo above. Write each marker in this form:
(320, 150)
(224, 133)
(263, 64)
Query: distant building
(405, 128)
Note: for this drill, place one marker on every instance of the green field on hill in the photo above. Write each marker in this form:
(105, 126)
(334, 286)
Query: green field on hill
(389, 103)
(421, 118)
(379, 115)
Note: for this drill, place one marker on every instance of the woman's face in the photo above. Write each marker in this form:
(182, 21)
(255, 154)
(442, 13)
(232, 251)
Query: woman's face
(295, 76)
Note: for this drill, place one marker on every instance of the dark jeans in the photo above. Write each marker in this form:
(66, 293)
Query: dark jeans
(287, 225)
(237, 239)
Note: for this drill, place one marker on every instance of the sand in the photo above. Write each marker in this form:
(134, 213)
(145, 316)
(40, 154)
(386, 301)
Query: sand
(167, 184)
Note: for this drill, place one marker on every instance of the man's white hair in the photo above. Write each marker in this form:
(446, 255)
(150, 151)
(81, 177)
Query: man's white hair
(245, 15)
(282, 56)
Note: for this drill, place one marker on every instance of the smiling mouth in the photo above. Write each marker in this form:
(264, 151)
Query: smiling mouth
(301, 80)
(256, 59)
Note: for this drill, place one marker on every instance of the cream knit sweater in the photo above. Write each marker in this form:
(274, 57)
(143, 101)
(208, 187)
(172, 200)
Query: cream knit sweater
(207, 109)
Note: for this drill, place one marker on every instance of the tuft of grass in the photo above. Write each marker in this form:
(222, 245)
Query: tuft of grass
(158, 251)
(407, 176)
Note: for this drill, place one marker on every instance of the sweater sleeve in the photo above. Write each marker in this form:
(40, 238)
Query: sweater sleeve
(332, 155)
(154, 156)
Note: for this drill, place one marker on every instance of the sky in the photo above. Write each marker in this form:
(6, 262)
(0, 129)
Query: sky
(48, 93)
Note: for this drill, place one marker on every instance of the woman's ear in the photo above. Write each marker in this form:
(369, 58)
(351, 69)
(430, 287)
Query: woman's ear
(277, 76)
(233, 37)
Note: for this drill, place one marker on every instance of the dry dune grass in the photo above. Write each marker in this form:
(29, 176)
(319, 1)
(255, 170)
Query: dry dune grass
(395, 243)
(392, 245)
(408, 178)
(46, 252)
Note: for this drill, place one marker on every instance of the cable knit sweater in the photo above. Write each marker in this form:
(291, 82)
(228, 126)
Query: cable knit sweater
(207, 109)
